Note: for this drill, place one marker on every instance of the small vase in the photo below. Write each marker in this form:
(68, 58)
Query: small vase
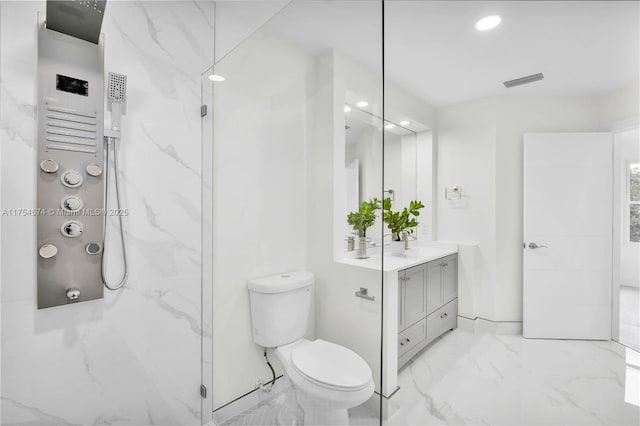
(361, 252)
(405, 238)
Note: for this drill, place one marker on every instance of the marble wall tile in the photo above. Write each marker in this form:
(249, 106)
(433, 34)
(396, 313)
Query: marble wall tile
(135, 356)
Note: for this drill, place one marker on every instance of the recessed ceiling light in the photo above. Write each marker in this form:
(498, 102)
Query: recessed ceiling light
(389, 126)
(347, 108)
(488, 22)
(216, 77)
(362, 104)
(405, 123)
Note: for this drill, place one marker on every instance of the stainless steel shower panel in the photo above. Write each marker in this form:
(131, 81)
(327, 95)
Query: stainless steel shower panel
(78, 18)
(70, 191)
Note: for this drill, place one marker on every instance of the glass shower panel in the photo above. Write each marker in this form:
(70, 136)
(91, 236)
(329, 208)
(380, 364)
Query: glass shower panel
(290, 205)
(206, 348)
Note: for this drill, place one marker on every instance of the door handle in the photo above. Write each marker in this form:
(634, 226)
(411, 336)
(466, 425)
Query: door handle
(534, 246)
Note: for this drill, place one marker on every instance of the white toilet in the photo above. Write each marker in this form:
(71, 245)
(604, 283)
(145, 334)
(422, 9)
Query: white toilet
(328, 378)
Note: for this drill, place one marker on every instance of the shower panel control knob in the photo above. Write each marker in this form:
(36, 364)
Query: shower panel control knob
(48, 251)
(94, 170)
(71, 204)
(73, 294)
(49, 166)
(71, 179)
(72, 229)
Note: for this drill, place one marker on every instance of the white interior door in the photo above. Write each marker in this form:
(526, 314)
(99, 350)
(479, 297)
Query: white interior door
(567, 215)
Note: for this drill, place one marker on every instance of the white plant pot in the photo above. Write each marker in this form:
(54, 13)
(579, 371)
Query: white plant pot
(397, 248)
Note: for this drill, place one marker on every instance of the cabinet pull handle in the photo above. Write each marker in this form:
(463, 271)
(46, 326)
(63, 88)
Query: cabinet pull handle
(405, 341)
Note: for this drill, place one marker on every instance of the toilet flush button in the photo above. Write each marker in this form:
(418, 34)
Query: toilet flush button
(71, 179)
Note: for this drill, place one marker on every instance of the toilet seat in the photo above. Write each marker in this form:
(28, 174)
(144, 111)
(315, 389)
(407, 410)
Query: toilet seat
(332, 366)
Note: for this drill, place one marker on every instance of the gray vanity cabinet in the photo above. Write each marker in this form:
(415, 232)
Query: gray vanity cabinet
(434, 286)
(449, 267)
(442, 282)
(413, 298)
(428, 304)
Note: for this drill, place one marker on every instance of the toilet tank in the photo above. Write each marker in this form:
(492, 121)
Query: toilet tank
(280, 307)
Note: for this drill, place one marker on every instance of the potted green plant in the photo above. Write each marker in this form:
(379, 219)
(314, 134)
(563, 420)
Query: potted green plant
(364, 218)
(401, 223)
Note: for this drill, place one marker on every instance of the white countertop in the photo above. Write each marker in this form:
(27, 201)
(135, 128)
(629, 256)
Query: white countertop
(412, 257)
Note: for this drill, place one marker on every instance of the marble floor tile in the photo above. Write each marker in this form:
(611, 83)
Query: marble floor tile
(282, 409)
(467, 378)
(486, 379)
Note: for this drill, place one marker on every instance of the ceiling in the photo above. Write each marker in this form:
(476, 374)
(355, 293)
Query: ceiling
(433, 50)
(581, 47)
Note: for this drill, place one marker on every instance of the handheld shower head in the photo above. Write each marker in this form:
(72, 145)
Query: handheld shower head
(117, 90)
(117, 98)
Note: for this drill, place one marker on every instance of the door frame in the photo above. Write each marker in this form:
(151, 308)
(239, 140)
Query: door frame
(617, 127)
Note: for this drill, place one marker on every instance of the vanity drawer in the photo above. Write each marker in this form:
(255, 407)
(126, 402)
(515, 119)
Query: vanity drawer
(442, 320)
(412, 336)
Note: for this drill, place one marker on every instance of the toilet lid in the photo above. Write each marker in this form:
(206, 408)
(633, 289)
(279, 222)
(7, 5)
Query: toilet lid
(331, 365)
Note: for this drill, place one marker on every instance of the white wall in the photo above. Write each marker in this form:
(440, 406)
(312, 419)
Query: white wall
(466, 157)
(259, 196)
(619, 105)
(480, 148)
(133, 357)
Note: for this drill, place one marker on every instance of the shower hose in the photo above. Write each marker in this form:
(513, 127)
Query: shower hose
(123, 280)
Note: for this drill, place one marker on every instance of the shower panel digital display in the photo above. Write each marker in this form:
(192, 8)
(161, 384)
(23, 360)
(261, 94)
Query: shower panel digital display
(70, 161)
(72, 85)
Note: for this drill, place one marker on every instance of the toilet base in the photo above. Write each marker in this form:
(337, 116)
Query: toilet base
(321, 405)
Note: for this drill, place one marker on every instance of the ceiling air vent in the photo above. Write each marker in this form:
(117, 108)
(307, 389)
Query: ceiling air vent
(523, 80)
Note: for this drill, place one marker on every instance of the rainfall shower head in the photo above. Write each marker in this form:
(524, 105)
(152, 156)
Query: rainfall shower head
(81, 19)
